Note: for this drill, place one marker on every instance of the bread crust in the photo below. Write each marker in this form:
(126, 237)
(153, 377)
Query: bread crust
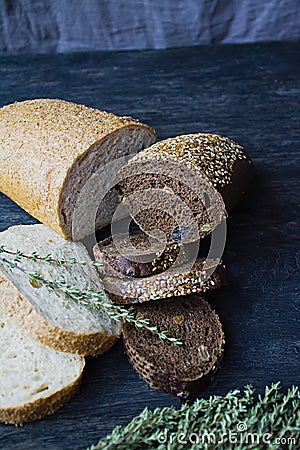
(133, 264)
(24, 315)
(41, 141)
(27, 408)
(155, 370)
(169, 284)
(184, 389)
(222, 165)
(41, 407)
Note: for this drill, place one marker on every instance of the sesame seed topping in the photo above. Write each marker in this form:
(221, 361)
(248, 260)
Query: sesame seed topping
(206, 153)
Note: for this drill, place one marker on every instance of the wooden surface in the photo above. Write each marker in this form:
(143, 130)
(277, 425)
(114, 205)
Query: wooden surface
(249, 93)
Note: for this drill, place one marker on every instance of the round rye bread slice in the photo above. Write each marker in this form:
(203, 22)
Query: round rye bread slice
(184, 186)
(183, 370)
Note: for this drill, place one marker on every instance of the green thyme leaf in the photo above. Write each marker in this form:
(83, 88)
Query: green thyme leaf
(237, 420)
(87, 298)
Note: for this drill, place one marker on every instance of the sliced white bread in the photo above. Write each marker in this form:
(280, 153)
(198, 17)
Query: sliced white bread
(34, 380)
(48, 316)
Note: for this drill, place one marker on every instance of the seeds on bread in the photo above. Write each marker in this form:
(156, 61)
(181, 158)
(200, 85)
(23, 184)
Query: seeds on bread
(135, 255)
(203, 276)
(219, 163)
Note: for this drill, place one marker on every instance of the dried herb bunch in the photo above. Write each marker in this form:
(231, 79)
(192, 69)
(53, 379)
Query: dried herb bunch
(239, 421)
(88, 297)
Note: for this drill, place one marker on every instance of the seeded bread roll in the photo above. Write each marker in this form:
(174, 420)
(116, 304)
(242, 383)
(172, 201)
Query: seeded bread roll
(178, 370)
(135, 255)
(51, 148)
(208, 172)
(49, 316)
(179, 281)
(34, 380)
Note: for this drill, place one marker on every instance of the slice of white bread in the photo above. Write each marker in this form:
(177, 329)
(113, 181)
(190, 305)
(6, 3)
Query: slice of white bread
(34, 380)
(55, 153)
(48, 316)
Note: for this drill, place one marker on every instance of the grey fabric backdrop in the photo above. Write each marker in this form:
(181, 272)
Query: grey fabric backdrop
(79, 25)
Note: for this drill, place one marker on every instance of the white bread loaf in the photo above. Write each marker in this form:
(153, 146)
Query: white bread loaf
(51, 148)
(50, 317)
(34, 380)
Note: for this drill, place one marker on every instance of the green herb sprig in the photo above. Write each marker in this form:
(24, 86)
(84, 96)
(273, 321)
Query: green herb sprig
(239, 421)
(88, 298)
(35, 256)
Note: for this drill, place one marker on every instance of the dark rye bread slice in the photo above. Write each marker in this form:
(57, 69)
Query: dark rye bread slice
(180, 281)
(178, 370)
(209, 173)
(135, 255)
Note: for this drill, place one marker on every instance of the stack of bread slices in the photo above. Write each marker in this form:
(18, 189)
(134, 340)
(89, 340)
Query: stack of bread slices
(165, 279)
(50, 152)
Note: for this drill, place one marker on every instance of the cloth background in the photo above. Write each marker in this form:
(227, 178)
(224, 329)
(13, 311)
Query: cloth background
(81, 25)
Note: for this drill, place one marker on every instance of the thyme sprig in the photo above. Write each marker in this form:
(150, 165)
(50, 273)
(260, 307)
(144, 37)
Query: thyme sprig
(94, 299)
(236, 420)
(35, 256)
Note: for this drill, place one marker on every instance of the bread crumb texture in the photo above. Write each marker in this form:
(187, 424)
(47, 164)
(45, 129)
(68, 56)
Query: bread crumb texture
(45, 141)
(34, 380)
(49, 316)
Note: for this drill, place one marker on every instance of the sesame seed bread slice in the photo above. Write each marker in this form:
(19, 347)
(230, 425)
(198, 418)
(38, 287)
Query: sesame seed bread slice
(56, 153)
(208, 173)
(136, 255)
(34, 380)
(48, 316)
(178, 370)
(179, 281)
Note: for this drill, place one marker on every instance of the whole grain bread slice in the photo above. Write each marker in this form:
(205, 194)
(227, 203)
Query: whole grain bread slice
(182, 280)
(137, 255)
(178, 370)
(184, 186)
(49, 316)
(34, 380)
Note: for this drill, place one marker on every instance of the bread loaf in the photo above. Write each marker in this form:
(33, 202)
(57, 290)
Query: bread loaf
(49, 316)
(209, 173)
(179, 370)
(34, 380)
(51, 148)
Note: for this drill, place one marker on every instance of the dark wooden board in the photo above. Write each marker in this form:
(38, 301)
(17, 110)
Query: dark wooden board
(249, 93)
